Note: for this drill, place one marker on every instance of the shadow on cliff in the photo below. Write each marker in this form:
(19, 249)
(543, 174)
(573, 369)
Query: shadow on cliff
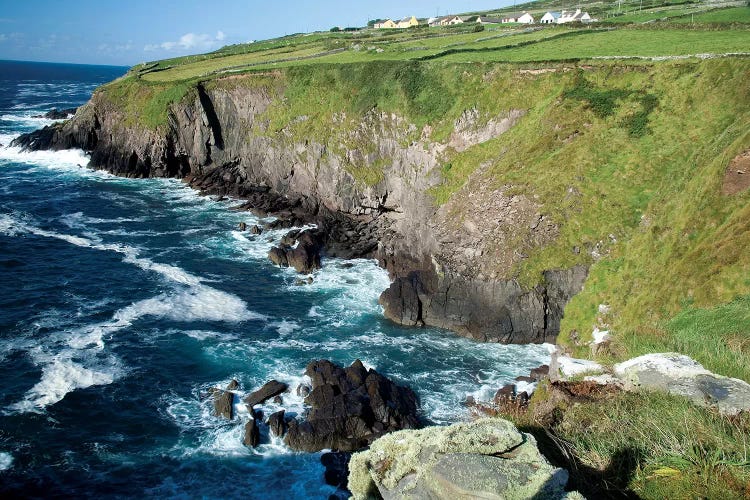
(593, 483)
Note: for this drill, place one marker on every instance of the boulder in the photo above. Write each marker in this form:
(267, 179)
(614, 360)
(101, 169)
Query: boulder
(223, 404)
(349, 408)
(681, 375)
(277, 255)
(269, 390)
(276, 423)
(255, 229)
(488, 458)
(252, 434)
(242, 226)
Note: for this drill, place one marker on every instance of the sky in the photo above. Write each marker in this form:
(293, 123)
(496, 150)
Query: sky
(127, 32)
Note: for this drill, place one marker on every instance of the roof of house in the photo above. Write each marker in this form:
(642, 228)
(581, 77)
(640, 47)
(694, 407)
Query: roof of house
(490, 20)
(512, 15)
(554, 14)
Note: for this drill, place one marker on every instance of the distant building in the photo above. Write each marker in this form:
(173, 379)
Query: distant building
(407, 22)
(451, 20)
(517, 17)
(550, 18)
(576, 16)
(385, 24)
(488, 20)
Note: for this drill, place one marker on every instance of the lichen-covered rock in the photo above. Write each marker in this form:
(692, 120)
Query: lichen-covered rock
(681, 375)
(487, 458)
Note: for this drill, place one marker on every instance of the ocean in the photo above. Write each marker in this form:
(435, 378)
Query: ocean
(122, 301)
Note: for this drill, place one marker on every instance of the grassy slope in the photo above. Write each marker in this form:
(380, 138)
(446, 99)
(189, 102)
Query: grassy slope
(627, 156)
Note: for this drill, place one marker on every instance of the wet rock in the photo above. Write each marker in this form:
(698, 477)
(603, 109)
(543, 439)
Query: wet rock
(55, 114)
(223, 404)
(269, 390)
(349, 408)
(487, 458)
(276, 423)
(233, 385)
(255, 229)
(252, 434)
(278, 400)
(242, 226)
(277, 255)
(303, 390)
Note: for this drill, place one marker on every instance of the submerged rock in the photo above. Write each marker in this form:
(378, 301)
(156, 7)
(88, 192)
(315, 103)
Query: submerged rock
(350, 408)
(487, 458)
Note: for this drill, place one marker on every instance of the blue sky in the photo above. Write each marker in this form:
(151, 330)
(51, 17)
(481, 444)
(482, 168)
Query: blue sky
(127, 32)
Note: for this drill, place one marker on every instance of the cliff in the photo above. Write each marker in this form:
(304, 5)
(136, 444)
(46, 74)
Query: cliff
(487, 191)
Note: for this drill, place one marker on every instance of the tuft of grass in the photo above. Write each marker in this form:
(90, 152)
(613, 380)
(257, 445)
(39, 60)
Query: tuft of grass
(648, 444)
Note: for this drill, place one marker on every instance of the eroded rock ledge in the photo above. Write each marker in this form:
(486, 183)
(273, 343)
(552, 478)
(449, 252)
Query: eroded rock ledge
(446, 274)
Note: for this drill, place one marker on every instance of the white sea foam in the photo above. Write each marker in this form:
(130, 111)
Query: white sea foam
(284, 327)
(6, 460)
(62, 376)
(28, 119)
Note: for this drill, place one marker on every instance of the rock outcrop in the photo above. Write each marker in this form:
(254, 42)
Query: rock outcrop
(487, 458)
(681, 375)
(349, 408)
(452, 272)
(269, 390)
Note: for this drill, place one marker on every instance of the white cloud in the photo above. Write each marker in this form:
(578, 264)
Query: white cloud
(189, 41)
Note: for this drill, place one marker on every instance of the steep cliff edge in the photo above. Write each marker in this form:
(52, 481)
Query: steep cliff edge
(487, 191)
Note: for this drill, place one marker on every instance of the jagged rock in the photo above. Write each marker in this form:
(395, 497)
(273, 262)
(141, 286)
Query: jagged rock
(255, 229)
(276, 423)
(277, 255)
(539, 373)
(224, 404)
(679, 374)
(242, 226)
(487, 458)
(270, 389)
(55, 114)
(252, 434)
(350, 408)
(233, 385)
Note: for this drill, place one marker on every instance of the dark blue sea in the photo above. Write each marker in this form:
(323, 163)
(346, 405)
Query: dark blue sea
(122, 301)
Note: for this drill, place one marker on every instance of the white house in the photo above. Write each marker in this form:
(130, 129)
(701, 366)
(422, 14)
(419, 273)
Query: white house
(550, 18)
(525, 18)
(451, 20)
(568, 16)
(517, 17)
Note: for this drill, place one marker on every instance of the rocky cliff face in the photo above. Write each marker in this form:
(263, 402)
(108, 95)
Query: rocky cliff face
(451, 265)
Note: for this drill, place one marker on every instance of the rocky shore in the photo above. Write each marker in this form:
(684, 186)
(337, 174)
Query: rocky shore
(452, 275)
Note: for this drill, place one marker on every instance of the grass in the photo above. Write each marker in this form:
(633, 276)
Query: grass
(653, 445)
(739, 15)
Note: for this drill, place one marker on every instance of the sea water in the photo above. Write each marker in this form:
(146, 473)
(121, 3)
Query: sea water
(122, 301)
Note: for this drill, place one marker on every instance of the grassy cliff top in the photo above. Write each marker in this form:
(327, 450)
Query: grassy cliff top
(674, 29)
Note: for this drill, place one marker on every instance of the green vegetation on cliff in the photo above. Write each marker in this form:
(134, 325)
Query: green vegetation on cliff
(627, 156)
